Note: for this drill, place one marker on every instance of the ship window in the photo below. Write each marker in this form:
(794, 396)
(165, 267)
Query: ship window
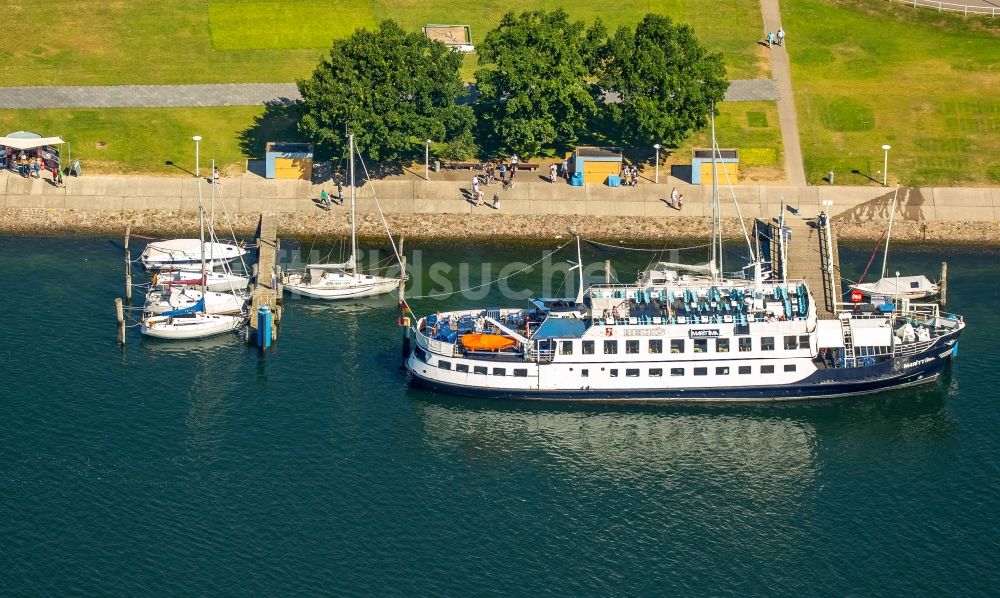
(461, 367)
(746, 344)
(631, 346)
(767, 343)
(655, 373)
(632, 373)
(744, 370)
(789, 367)
(479, 370)
(444, 365)
(420, 353)
(499, 371)
(677, 345)
(566, 347)
(655, 346)
(767, 369)
(701, 345)
(613, 372)
(584, 373)
(722, 345)
(791, 343)
(588, 347)
(700, 371)
(676, 371)
(804, 341)
(610, 347)
(520, 373)
(722, 371)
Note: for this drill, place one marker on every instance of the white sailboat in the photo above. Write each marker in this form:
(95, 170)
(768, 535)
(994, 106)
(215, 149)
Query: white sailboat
(221, 282)
(193, 321)
(178, 253)
(896, 287)
(183, 297)
(341, 280)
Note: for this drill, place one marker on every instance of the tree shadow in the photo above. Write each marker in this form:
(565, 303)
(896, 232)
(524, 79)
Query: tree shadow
(278, 122)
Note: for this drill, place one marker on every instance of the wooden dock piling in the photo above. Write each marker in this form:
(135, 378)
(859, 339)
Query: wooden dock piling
(266, 278)
(121, 320)
(128, 266)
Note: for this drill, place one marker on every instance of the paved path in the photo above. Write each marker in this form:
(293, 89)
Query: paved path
(147, 96)
(786, 102)
(232, 94)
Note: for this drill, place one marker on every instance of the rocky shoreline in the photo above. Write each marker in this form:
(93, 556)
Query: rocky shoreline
(494, 227)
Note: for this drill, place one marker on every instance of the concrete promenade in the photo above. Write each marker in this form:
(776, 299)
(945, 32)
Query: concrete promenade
(249, 194)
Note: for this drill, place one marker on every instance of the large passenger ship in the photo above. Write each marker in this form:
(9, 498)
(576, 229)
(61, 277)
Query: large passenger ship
(677, 335)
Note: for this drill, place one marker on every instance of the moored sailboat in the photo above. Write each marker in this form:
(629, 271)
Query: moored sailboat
(341, 280)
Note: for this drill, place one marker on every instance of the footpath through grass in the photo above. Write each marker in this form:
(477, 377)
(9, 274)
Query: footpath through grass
(866, 74)
(67, 42)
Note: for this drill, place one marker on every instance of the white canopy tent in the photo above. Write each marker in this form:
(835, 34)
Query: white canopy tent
(30, 143)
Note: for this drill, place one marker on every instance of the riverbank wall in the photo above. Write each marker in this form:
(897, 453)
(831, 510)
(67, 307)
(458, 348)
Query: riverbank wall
(532, 209)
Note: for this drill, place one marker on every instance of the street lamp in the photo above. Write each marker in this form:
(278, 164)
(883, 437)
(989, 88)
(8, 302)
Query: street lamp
(427, 160)
(885, 165)
(657, 147)
(196, 139)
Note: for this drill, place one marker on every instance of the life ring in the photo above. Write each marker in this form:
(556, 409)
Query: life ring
(608, 331)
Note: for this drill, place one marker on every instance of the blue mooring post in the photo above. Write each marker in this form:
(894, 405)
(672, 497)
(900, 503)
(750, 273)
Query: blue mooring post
(264, 327)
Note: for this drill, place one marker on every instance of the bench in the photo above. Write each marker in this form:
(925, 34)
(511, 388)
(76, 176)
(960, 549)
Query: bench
(461, 165)
(527, 166)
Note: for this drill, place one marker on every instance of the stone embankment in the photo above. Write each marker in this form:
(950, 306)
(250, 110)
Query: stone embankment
(531, 210)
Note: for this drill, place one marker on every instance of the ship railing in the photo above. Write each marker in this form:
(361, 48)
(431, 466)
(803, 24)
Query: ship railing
(540, 355)
(436, 346)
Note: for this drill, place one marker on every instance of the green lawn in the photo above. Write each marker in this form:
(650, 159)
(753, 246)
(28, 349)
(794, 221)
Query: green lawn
(753, 128)
(129, 140)
(866, 74)
(198, 41)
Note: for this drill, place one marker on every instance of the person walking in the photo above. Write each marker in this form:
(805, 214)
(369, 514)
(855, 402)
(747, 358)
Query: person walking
(553, 173)
(324, 199)
(215, 177)
(680, 202)
(496, 201)
(770, 38)
(673, 198)
(781, 35)
(476, 195)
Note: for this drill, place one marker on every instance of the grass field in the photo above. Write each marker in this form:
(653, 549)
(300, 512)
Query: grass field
(144, 140)
(752, 127)
(199, 41)
(866, 74)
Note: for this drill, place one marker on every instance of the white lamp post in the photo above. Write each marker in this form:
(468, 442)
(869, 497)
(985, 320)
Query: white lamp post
(657, 147)
(885, 165)
(197, 139)
(427, 160)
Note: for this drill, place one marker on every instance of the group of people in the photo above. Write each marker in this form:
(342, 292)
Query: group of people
(31, 166)
(630, 175)
(775, 39)
(676, 199)
(327, 199)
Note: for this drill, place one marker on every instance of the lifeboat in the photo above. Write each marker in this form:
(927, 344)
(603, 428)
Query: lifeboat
(487, 342)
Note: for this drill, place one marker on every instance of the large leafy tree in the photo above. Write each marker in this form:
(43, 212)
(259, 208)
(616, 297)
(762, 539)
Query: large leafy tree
(662, 81)
(391, 88)
(533, 83)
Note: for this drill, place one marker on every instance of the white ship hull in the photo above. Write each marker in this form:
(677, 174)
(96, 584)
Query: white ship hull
(220, 282)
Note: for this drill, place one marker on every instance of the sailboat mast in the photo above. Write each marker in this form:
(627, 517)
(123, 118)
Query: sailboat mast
(201, 225)
(888, 234)
(716, 215)
(354, 239)
(211, 223)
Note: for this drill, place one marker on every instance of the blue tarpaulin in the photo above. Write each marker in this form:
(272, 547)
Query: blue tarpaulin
(199, 306)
